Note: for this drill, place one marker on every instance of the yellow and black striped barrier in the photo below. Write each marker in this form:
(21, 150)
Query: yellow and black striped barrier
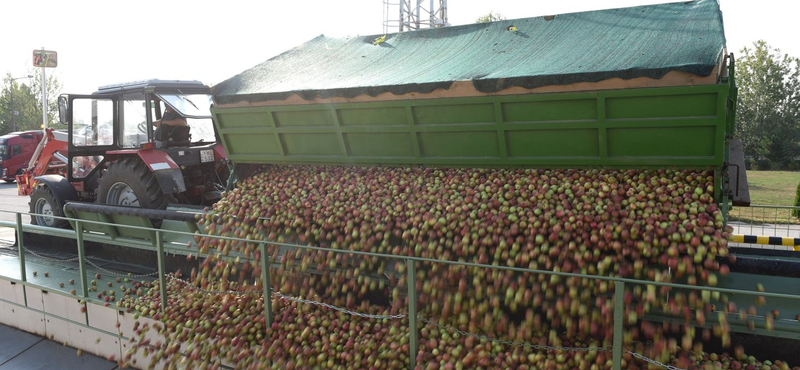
(768, 240)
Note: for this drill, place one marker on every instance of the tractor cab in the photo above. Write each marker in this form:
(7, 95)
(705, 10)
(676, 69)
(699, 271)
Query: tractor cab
(140, 144)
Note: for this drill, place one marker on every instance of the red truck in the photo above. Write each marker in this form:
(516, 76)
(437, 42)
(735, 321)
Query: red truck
(16, 150)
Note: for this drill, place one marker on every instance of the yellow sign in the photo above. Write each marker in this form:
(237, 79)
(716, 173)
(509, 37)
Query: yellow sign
(45, 58)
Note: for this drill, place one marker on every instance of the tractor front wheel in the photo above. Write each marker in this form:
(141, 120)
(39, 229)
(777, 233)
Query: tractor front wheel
(44, 206)
(129, 182)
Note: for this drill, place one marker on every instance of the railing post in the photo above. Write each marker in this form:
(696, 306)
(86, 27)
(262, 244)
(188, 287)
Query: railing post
(21, 247)
(619, 309)
(411, 281)
(81, 258)
(266, 285)
(162, 280)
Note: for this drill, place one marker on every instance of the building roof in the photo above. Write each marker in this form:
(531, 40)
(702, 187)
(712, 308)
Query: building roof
(642, 41)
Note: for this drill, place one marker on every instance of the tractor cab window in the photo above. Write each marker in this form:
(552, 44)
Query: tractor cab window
(84, 164)
(133, 120)
(16, 150)
(196, 108)
(92, 122)
(3, 151)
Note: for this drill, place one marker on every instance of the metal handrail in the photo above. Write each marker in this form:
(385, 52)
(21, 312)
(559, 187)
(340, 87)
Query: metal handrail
(417, 259)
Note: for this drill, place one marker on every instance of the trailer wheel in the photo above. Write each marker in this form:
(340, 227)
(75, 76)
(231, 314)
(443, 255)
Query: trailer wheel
(128, 182)
(44, 205)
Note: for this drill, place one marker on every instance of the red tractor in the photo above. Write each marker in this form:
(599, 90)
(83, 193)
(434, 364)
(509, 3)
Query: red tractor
(115, 156)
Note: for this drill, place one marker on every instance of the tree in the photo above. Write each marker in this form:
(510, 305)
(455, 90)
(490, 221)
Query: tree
(768, 116)
(28, 102)
(491, 17)
(796, 212)
(24, 104)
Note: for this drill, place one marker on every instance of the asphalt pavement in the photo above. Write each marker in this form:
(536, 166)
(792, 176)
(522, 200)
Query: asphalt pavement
(10, 201)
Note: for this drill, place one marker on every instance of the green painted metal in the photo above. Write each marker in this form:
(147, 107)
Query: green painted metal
(124, 220)
(21, 250)
(732, 102)
(90, 226)
(162, 280)
(413, 340)
(114, 225)
(629, 128)
(266, 285)
(619, 295)
(79, 230)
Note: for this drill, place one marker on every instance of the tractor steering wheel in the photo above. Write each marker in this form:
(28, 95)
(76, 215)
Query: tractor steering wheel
(143, 127)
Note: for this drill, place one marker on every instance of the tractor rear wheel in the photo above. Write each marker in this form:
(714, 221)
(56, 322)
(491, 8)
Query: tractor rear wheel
(43, 206)
(129, 182)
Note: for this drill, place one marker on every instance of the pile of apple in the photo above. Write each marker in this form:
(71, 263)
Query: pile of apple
(657, 225)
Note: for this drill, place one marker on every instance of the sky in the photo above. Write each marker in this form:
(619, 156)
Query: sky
(106, 42)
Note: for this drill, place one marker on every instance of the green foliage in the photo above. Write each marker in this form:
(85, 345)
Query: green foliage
(27, 95)
(491, 17)
(763, 164)
(796, 212)
(768, 116)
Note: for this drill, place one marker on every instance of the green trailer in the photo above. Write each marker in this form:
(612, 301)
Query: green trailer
(642, 87)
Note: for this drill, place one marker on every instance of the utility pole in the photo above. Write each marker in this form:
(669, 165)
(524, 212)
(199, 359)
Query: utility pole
(44, 97)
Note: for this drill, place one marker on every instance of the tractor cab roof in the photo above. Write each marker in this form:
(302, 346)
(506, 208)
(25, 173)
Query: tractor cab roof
(156, 84)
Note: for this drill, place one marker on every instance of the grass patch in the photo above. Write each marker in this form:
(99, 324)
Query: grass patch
(774, 188)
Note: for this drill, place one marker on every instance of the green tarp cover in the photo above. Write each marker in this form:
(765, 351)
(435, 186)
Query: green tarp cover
(578, 47)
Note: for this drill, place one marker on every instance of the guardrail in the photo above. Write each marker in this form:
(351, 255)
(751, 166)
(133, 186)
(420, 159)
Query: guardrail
(161, 248)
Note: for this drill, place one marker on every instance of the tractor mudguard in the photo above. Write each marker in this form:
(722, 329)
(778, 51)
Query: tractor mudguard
(170, 180)
(167, 172)
(60, 186)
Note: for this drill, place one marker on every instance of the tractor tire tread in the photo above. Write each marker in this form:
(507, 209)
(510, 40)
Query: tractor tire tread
(43, 191)
(131, 171)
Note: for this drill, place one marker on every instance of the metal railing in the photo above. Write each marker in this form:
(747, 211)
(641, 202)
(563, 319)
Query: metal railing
(765, 220)
(161, 249)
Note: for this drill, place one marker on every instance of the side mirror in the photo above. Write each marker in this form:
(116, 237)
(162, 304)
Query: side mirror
(62, 109)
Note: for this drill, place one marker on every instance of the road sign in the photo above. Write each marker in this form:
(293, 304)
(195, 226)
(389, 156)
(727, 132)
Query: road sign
(45, 58)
